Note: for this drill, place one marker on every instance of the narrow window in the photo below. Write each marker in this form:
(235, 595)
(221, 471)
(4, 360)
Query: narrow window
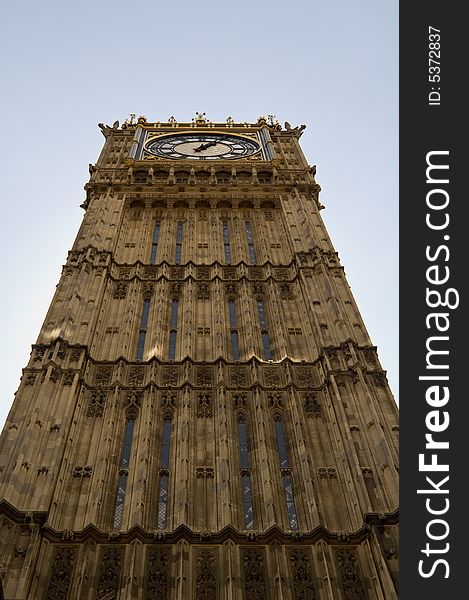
(154, 243)
(264, 331)
(233, 330)
(251, 249)
(226, 243)
(179, 244)
(285, 472)
(142, 332)
(123, 473)
(173, 329)
(164, 474)
(245, 474)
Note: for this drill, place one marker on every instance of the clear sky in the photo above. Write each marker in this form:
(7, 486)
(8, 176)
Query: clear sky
(66, 66)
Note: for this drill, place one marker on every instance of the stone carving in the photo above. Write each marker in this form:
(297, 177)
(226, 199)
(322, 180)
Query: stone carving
(305, 376)
(238, 376)
(370, 356)
(286, 292)
(158, 575)
(75, 355)
(203, 272)
(170, 376)
(124, 273)
(229, 273)
(204, 405)
(349, 573)
(109, 574)
(203, 376)
(120, 290)
(333, 356)
(68, 378)
(54, 374)
(346, 351)
(275, 401)
(272, 377)
(39, 352)
(327, 473)
(148, 289)
(168, 400)
(96, 404)
(61, 574)
(136, 376)
(301, 574)
(257, 288)
(203, 291)
(83, 472)
(378, 378)
(204, 472)
(206, 575)
(240, 401)
(177, 272)
(311, 405)
(103, 375)
(149, 272)
(281, 273)
(253, 566)
(30, 379)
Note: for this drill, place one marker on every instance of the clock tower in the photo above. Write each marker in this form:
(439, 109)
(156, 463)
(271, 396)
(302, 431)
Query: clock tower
(203, 415)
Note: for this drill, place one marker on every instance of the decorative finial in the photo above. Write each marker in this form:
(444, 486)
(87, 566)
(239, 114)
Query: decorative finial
(172, 119)
(273, 121)
(132, 119)
(142, 119)
(261, 121)
(199, 118)
(229, 120)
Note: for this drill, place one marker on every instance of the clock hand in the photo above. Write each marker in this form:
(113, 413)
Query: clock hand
(205, 146)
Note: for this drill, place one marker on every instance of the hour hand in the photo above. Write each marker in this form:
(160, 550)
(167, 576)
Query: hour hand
(204, 146)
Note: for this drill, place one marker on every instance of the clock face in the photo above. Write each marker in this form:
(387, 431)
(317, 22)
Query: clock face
(202, 146)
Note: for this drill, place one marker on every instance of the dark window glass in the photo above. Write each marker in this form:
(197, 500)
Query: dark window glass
(174, 314)
(245, 474)
(164, 475)
(247, 502)
(154, 243)
(234, 344)
(265, 335)
(125, 461)
(243, 445)
(179, 244)
(281, 445)
(291, 508)
(142, 332)
(165, 446)
(128, 433)
(172, 345)
(234, 330)
(226, 242)
(251, 249)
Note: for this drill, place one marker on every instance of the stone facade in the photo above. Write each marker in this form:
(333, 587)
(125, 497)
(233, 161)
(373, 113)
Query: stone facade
(203, 415)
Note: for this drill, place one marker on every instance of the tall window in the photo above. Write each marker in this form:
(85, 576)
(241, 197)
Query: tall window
(179, 243)
(264, 331)
(251, 249)
(123, 473)
(245, 473)
(285, 472)
(142, 332)
(226, 243)
(233, 330)
(173, 328)
(154, 243)
(164, 473)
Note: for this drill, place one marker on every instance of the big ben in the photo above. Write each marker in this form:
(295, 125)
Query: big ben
(203, 415)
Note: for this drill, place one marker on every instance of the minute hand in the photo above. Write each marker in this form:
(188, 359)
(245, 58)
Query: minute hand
(205, 146)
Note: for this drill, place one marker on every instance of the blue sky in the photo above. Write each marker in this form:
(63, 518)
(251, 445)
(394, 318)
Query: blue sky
(67, 66)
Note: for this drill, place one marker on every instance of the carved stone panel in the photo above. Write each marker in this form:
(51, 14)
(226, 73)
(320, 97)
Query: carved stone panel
(96, 404)
(254, 573)
(158, 574)
(103, 375)
(62, 572)
(109, 573)
(301, 574)
(238, 376)
(349, 574)
(206, 574)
